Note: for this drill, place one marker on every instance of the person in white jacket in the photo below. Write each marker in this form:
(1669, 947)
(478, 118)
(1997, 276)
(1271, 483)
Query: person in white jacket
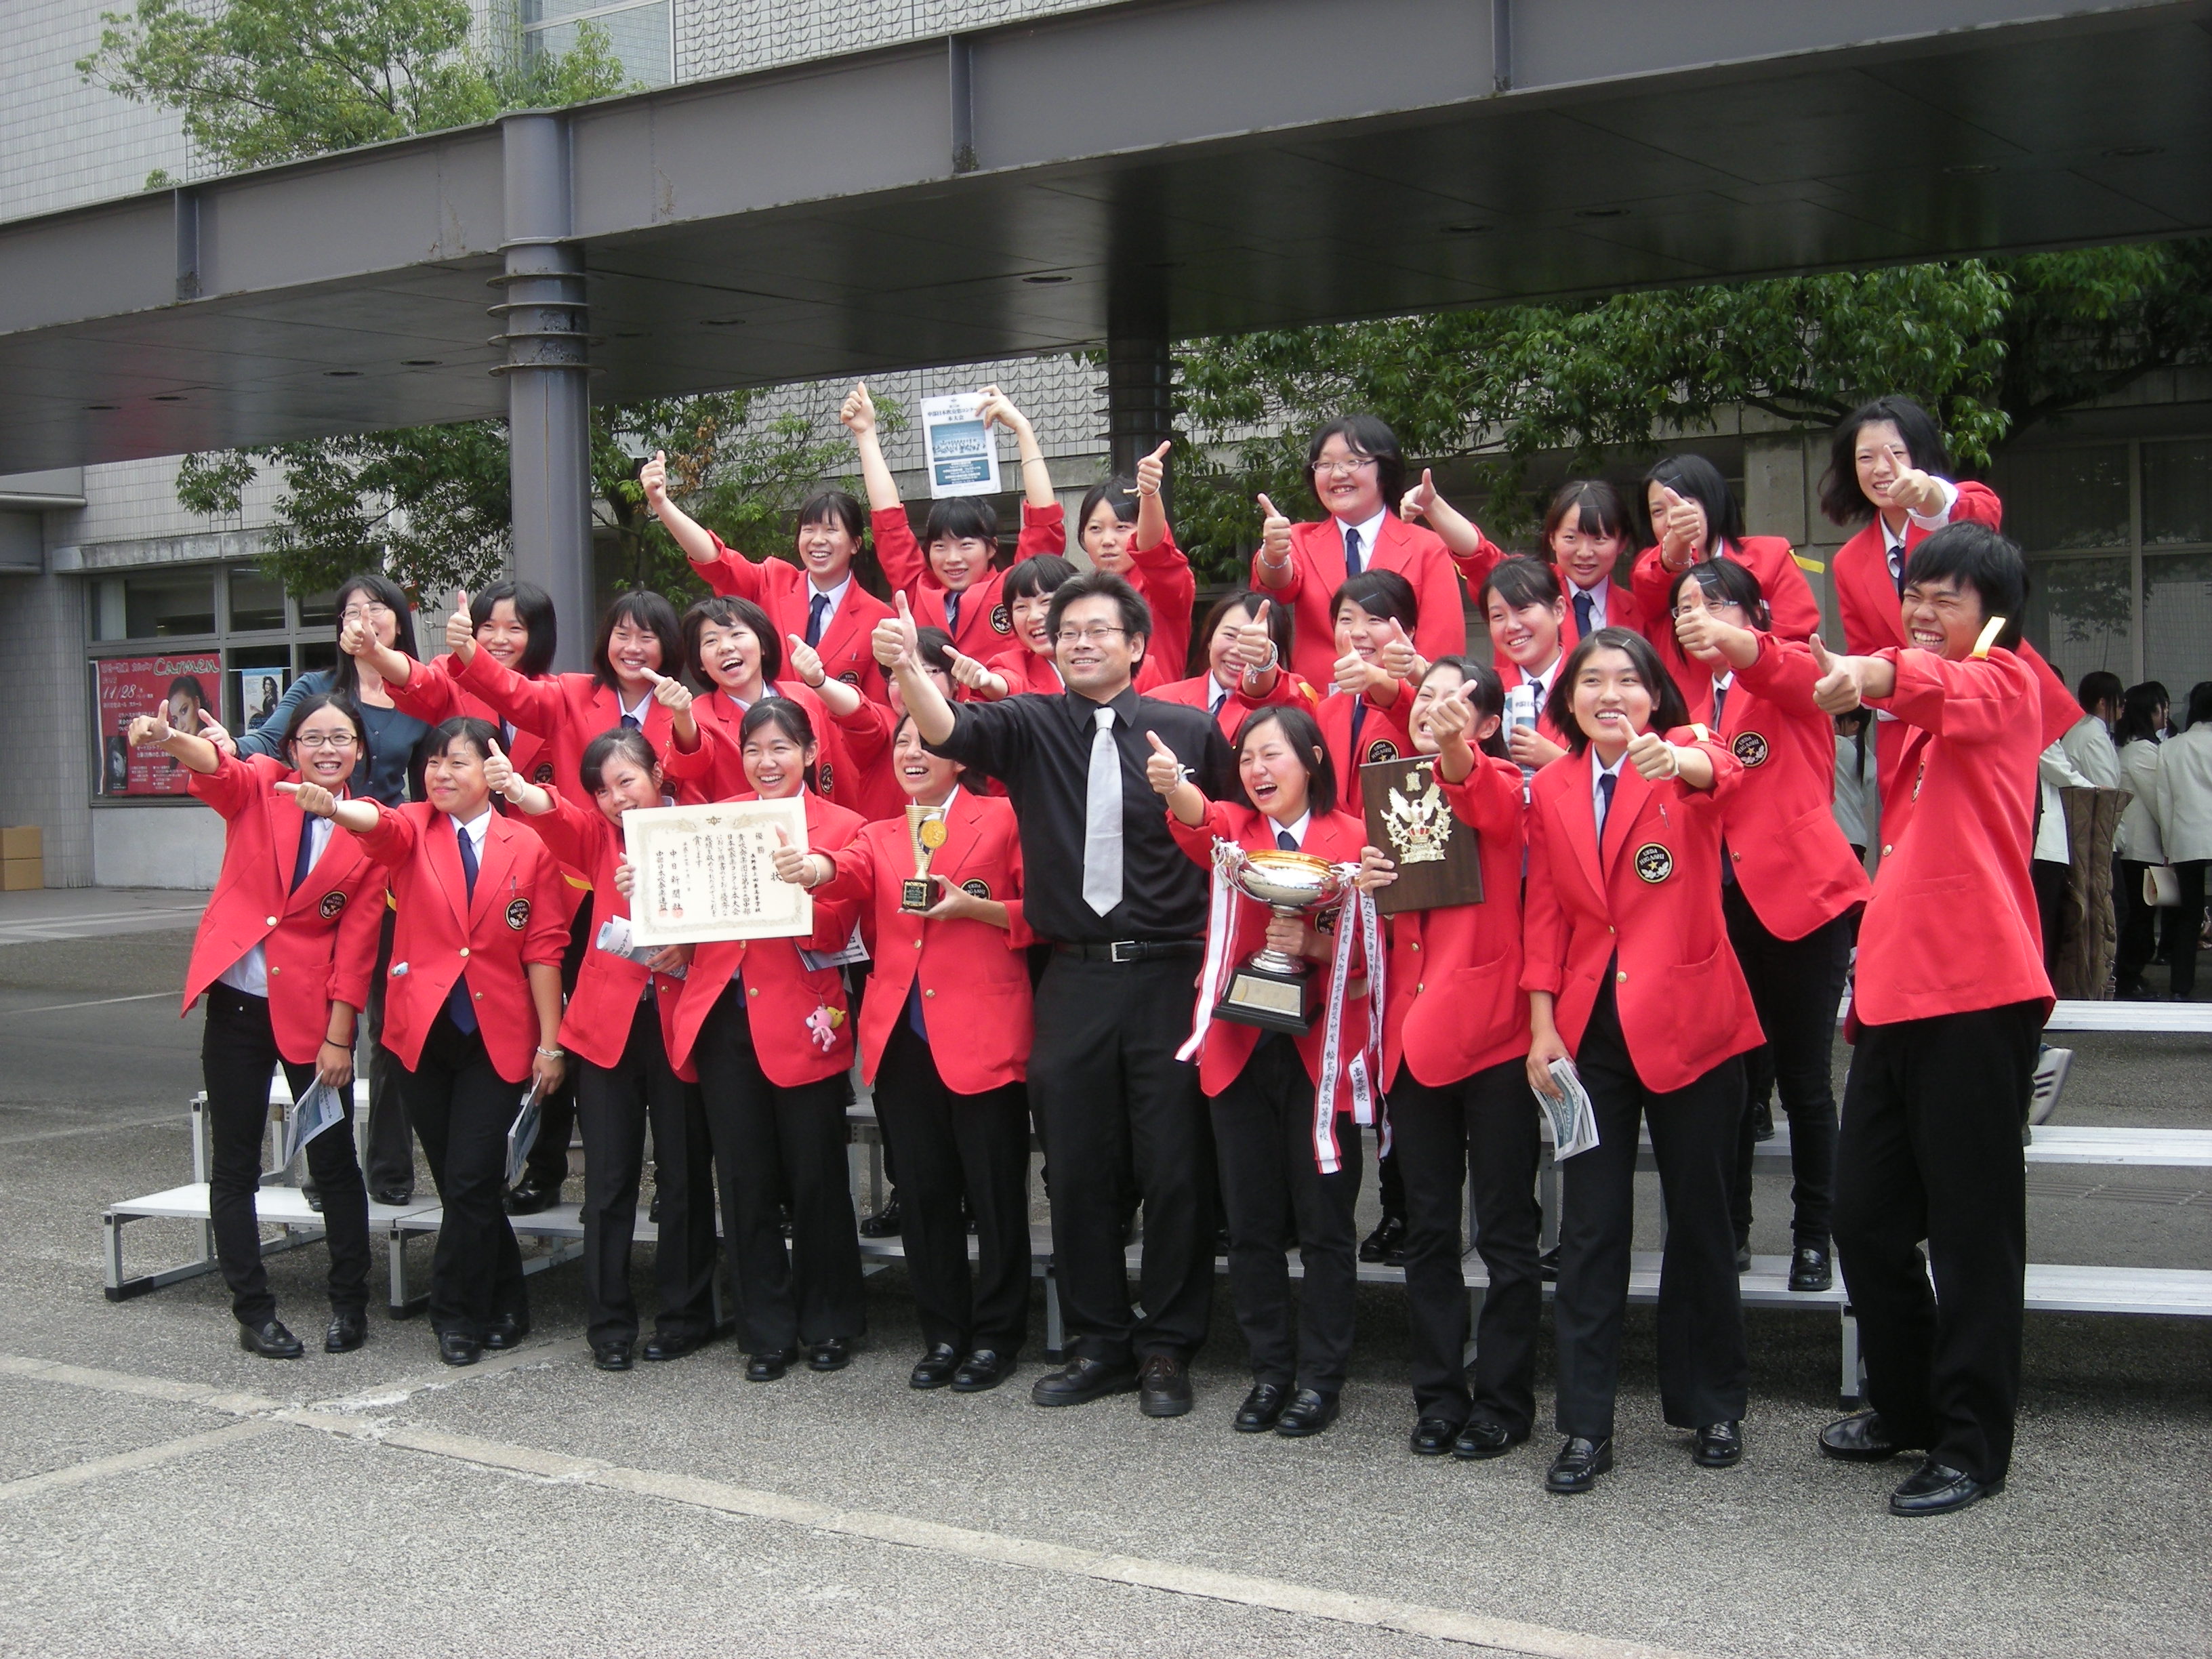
(2183, 806)
(2142, 718)
(2088, 742)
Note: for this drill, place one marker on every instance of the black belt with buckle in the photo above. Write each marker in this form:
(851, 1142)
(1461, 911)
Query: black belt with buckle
(1134, 950)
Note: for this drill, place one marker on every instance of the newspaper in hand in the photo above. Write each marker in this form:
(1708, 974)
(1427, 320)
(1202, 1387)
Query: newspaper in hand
(614, 939)
(521, 1136)
(1573, 1124)
(308, 1115)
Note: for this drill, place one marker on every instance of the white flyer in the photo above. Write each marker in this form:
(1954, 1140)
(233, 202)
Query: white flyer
(960, 451)
(708, 872)
(308, 1117)
(1573, 1124)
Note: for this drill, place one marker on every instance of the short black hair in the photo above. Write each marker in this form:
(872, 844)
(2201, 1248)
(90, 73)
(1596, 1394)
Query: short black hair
(533, 609)
(2098, 685)
(479, 735)
(315, 705)
(1974, 556)
(1521, 581)
(1119, 492)
(1594, 506)
(1486, 694)
(645, 608)
(935, 647)
(1364, 435)
(1841, 499)
(1136, 614)
(1040, 573)
(961, 517)
(726, 610)
(625, 740)
(1699, 479)
(1255, 606)
(1383, 594)
(2200, 704)
(833, 507)
(1302, 732)
(1668, 708)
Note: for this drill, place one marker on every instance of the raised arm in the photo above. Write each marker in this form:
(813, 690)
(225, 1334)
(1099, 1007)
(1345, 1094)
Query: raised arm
(858, 416)
(897, 649)
(197, 754)
(998, 409)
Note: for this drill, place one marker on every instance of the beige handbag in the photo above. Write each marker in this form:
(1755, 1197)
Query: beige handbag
(2161, 887)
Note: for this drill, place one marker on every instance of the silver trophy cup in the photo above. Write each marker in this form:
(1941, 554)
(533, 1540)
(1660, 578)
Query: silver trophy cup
(1272, 989)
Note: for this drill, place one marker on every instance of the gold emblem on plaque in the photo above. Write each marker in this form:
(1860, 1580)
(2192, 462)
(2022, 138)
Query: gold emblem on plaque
(1417, 820)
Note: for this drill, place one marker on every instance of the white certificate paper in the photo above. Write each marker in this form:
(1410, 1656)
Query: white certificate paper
(708, 872)
(961, 452)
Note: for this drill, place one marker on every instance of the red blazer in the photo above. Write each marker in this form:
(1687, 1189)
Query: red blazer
(1780, 823)
(1414, 551)
(1623, 609)
(566, 710)
(608, 988)
(1456, 1004)
(1951, 926)
(1335, 837)
(865, 782)
(1790, 601)
(433, 693)
(781, 993)
(1197, 692)
(1024, 671)
(319, 940)
(518, 916)
(785, 594)
(716, 770)
(1474, 568)
(1162, 574)
(975, 977)
(985, 625)
(1381, 737)
(1653, 895)
(1510, 675)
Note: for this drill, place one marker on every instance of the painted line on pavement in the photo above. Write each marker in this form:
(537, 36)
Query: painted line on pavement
(102, 1002)
(147, 1457)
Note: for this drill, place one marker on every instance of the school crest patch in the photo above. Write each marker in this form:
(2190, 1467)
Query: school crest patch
(1002, 619)
(1654, 863)
(544, 774)
(828, 778)
(1750, 748)
(1381, 750)
(976, 889)
(851, 676)
(332, 903)
(518, 915)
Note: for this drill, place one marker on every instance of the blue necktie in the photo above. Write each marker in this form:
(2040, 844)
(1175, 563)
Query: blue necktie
(305, 861)
(815, 614)
(914, 1010)
(458, 1004)
(1358, 719)
(1720, 702)
(629, 720)
(1583, 610)
(1350, 553)
(1287, 841)
(952, 612)
(1605, 783)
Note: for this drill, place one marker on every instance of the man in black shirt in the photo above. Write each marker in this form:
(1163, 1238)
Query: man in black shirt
(1122, 1119)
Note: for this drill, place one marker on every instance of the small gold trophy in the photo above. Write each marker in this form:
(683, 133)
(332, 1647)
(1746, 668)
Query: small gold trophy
(925, 833)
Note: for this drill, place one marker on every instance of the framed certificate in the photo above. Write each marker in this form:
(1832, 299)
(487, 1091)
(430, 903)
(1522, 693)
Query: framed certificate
(708, 872)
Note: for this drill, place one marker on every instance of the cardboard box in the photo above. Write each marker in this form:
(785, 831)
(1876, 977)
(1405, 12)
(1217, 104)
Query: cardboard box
(21, 841)
(21, 875)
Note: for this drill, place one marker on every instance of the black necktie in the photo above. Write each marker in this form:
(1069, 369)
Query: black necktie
(1605, 783)
(305, 861)
(458, 1005)
(817, 613)
(1350, 552)
(1897, 567)
(1583, 610)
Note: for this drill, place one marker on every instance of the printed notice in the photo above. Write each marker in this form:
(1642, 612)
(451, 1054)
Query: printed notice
(708, 872)
(961, 453)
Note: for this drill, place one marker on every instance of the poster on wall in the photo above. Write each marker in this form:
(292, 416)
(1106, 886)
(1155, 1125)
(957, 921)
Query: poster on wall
(129, 686)
(258, 690)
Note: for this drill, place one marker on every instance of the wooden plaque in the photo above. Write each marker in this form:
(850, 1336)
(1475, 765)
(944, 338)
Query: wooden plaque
(1437, 856)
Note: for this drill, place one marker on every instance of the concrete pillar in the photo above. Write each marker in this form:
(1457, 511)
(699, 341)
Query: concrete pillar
(549, 406)
(1140, 370)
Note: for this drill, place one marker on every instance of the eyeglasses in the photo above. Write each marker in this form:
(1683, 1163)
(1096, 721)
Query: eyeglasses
(1098, 634)
(1344, 469)
(366, 612)
(1713, 602)
(326, 740)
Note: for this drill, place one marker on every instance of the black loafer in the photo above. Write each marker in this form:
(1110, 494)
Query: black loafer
(982, 1370)
(313, 1194)
(529, 1198)
(455, 1349)
(885, 1222)
(669, 1345)
(1938, 1489)
(1385, 1242)
(394, 1196)
(347, 1330)
(934, 1369)
(1309, 1411)
(1163, 1386)
(271, 1341)
(1080, 1381)
(770, 1366)
(1432, 1437)
(831, 1356)
(612, 1356)
(1862, 1437)
(1718, 1446)
(1579, 1465)
(1262, 1408)
(1482, 1438)
(506, 1332)
(1811, 1268)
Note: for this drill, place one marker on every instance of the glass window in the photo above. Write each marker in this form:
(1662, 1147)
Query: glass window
(320, 611)
(2081, 615)
(2177, 615)
(2057, 500)
(155, 604)
(639, 34)
(257, 675)
(257, 602)
(2177, 485)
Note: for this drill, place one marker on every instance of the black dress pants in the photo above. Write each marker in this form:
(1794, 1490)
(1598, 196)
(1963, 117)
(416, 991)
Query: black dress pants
(1275, 1193)
(1705, 1373)
(2187, 928)
(2138, 924)
(238, 1056)
(390, 1141)
(1795, 985)
(1485, 1126)
(462, 1109)
(547, 1166)
(773, 1146)
(952, 1146)
(1124, 1121)
(1930, 1150)
(614, 1104)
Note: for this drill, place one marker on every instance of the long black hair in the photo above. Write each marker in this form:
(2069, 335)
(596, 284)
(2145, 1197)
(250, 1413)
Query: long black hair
(841, 507)
(1486, 695)
(1700, 480)
(788, 717)
(1841, 498)
(345, 678)
(315, 705)
(1668, 708)
(2139, 706)
(624, 740)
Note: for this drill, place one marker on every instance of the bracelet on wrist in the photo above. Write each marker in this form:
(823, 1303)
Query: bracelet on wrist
(552, 1053)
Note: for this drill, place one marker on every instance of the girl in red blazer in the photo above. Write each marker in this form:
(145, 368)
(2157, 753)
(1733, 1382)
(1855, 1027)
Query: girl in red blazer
(1356, 472)
(1362, 719)
(1248, 643)
(731, 648)
(1629, 976)
(283, 956)
(957, 588)
(1527, 618)
(1030, 666)
(944, 1042)
(1455, 1038)
(772, 1040)
(1694, 517)
(1790, 882)
(866, 735)
(618, 1024)
(1284, 1132)
(472, 1013)
(1122, 527)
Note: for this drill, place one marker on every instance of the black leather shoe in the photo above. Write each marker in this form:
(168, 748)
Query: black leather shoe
(506, 1332)
(1483, 1438)
(528, 1198)
(612, 1356)
(1163, 1386)
(770, 1366)
(1579, 1464)
(934, 1369)
(885, 1222)
(1718, 1446)
(271, 1341)
(1387, 1239)
(1262, 1408)
(1432, 1437)
(1743, 1258)
(1812, 1269)
(1862, 1437)
(456, 1349)
(1309, 1411)
(313, 1194)
(394, 1196)
(1938, 1489)
(347, 1330)
(831, 1356)
(669, 1344)
(1762, 1119)
(982, 1370)
(1080, 1381)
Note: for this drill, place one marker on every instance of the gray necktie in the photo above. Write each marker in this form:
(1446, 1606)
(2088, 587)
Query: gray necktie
(1102, 820)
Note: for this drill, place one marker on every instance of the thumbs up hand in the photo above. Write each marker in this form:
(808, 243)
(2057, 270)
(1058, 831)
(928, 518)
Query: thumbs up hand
(499, 772)
(1152, 471)
(1836, 691)
(1162, 769)
(804, 660)
(1274, 535)
(653, 479)
(1682, 532)
(461, 628)
(1910, 487)
(896, 641)
(858, 414)
(669, 692)
(1696, 629)
(790, 865)
(1655, 758)
(1396, 655)
(1420, 498)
